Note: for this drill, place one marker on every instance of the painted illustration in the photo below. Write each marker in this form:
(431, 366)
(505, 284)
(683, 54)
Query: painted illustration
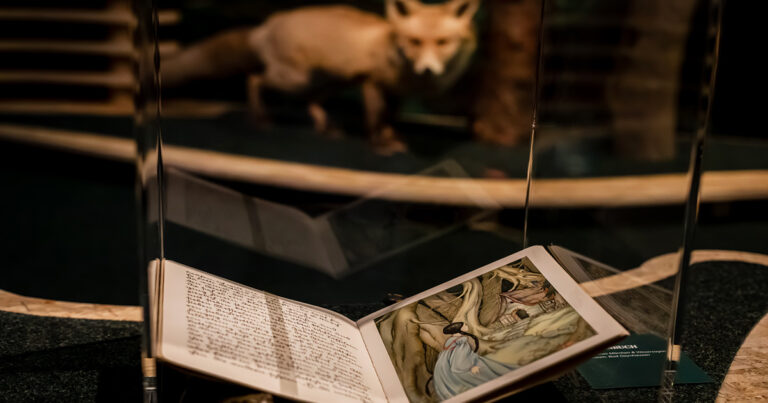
(472, 333)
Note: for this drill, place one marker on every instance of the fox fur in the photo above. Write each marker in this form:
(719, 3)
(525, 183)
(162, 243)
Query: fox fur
(417, 47)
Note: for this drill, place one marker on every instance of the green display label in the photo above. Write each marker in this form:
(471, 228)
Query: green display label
(636, 361)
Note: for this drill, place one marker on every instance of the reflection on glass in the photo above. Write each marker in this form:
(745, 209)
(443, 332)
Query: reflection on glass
(336, 242)
(619, 130)
(641, 306)
(307, 146)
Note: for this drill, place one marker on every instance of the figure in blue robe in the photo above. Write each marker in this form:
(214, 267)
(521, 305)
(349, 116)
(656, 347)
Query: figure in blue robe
(459, 368)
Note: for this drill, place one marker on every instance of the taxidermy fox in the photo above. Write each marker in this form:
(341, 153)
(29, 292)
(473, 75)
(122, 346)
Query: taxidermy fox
(310, 51)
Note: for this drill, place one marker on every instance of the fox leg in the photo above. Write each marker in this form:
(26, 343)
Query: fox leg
(319, 116)
(255, 104)
(385, 140)
(322, 123)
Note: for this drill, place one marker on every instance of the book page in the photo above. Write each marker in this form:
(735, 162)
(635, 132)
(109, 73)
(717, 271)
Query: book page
(495, 329)
(260, 340)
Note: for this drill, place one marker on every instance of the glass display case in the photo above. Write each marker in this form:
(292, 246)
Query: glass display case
(342, 157)
(580, 126)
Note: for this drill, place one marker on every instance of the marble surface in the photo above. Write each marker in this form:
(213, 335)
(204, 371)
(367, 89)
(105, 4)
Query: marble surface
(747, 378)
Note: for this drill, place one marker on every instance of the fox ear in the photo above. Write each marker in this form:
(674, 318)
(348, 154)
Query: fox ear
(401, 8)
(465, 9)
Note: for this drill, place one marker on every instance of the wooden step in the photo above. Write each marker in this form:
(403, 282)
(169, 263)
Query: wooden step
(115, 80)
(114, 48)
(61, 107)
(116, 17)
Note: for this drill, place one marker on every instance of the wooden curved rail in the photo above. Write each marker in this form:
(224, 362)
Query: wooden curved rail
(631, 190)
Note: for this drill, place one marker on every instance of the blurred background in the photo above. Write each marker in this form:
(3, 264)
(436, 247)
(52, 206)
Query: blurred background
(71, 70)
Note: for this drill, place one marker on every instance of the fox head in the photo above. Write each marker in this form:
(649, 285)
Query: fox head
(431, 35)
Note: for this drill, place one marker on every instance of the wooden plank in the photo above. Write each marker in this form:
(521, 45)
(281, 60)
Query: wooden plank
(115, 79)
(10, 302)
(116, 48)
(116, 16)
(103, 17)
(111, 48)
(191, 109)
(56, 107)
(622, 191)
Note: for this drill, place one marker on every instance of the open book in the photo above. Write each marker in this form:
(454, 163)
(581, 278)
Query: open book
(501, 328)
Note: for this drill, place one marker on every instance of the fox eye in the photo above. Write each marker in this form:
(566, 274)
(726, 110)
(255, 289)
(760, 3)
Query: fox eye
(415, 41)
(442, 41)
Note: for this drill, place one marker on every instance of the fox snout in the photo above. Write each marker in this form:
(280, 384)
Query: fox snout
(429, 63)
